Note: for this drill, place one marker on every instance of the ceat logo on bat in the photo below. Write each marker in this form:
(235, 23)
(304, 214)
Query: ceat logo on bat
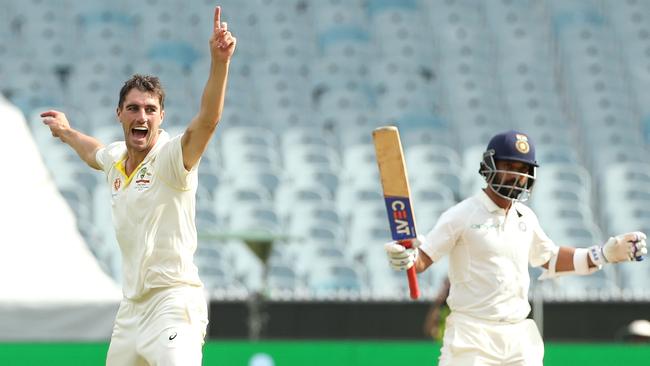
(400, 217)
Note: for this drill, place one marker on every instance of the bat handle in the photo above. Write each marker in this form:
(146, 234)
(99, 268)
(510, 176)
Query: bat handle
(411, 274)
(413, 283)
(640, 257)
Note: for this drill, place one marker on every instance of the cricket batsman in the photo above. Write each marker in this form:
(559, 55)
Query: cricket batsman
(490, 239)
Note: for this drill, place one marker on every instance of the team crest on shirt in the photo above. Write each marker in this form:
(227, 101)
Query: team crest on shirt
(522, 226)
(143, 179)
(117, 183)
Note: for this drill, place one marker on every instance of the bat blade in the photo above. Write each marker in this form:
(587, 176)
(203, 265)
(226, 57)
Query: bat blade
(397, 195)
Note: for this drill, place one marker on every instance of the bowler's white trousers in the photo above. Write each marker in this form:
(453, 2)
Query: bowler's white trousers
(476, 342)
(165, 328)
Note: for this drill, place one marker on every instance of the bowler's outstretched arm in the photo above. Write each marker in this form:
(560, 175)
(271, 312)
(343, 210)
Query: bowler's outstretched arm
(85, 146)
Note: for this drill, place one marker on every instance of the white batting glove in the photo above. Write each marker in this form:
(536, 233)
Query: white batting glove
(621, 248)
(401, 258)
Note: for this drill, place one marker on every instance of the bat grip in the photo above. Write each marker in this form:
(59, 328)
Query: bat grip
(640, 257)
(413, 283)
(411, 274)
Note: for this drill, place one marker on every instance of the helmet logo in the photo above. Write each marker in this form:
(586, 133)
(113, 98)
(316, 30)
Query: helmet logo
(522, 144)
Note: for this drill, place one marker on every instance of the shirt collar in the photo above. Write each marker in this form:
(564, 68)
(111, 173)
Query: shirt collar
(487, 202)
(163, 138)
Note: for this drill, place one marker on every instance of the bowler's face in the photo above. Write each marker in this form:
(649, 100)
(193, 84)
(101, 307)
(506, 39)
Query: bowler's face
(141, 117)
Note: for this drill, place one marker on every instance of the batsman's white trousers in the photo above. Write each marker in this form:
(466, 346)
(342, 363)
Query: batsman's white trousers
(470, 341)
(165, 328)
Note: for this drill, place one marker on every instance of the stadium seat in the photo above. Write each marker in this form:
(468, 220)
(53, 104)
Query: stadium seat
(356, 156)
(232, 137)
(316, 230)
(331, 73)
(282, 278)
(297, 157)
(350, 197)
(288, 195)
(439, 156)
(226, 197)
(366, 234)
(264, 176)
(315, 176)
(334, 280)
(310, 212)
(333, 38)
(371, 213)
(562, 175)
(556, 153)
(250, 156)
(632, 277)
(303, 136)
(254, 218)
(351, 96)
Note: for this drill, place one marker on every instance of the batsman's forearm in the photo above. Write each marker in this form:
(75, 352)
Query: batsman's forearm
(422, 262)
(565, 260)
(214, 94)
(85, 146)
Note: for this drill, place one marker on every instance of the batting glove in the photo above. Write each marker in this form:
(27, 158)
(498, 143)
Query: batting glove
(621, 248)
(401, 258)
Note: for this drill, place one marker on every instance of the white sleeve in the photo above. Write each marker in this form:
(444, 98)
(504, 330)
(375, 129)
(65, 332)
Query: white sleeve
(542, 248)
(171, 168)
(107, 156)
(443, 237)
(100, 157)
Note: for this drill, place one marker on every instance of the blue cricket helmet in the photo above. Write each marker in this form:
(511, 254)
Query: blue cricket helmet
(510, 146)
(513, 146)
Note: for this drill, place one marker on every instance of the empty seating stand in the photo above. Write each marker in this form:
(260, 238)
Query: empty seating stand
(309, 82)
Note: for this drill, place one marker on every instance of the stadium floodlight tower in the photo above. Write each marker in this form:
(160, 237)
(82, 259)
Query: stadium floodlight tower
(260, 241)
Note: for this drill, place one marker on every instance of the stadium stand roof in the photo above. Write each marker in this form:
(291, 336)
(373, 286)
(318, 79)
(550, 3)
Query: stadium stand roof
(52, 286)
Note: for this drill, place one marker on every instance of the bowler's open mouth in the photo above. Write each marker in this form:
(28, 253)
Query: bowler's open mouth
(139, 132)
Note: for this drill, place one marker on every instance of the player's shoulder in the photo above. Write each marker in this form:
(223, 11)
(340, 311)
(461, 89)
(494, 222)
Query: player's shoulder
(173, 135)
(114, 151)
(468, 204)
(168, 149)
(462, 210)
(167, 141)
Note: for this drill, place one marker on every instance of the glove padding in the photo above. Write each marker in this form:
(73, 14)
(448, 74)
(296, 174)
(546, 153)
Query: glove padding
(621, 248)
(401, 258)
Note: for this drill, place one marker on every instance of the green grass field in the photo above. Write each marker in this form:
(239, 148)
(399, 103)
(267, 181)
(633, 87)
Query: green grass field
(321, 353)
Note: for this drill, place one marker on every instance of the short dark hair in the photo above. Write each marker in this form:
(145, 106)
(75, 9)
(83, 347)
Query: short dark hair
(145, 83)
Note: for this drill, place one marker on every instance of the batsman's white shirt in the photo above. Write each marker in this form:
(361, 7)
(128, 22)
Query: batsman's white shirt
(153, 214)
(489, 252)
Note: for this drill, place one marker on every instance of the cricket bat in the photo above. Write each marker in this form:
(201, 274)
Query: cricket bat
(397, 195)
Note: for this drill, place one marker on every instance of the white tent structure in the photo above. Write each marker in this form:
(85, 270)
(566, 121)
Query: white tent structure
(51, 286)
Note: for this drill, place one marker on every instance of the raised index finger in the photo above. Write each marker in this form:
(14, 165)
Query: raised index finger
(49, 113)
(217, 17)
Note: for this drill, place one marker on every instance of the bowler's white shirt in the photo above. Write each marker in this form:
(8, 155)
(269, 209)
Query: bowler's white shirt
(153, 214)
(489, 253)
